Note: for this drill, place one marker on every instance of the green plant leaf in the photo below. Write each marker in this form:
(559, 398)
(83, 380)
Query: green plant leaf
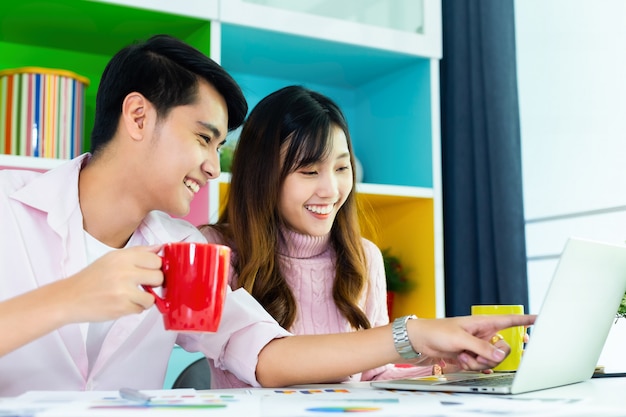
(621, 311)
(396, 274)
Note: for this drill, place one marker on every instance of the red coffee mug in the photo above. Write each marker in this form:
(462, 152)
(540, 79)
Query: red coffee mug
(195, 276)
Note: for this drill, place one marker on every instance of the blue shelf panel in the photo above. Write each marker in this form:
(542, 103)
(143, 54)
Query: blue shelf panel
(276, 54)
(385, 95)
(390, 128)
(392, 131)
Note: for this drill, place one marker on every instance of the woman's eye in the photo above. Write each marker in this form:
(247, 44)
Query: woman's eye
(207, 139)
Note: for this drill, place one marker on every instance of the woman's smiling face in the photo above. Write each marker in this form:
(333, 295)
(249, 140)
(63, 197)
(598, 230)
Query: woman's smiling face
(312, 195)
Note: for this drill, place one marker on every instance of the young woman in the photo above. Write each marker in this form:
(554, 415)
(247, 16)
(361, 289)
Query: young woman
(291, 218)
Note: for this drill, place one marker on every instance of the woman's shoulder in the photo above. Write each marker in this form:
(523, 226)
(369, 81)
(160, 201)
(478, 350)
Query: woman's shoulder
(372, 252)
(370, 247)
(212, 234)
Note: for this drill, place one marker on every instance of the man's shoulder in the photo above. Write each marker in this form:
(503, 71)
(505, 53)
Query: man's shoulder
(34, 186)
(14, 179)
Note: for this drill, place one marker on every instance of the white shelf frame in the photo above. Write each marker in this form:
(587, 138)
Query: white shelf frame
(29, 162)
(428, 44)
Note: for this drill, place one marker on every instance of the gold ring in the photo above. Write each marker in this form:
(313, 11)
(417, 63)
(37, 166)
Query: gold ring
(496, 338)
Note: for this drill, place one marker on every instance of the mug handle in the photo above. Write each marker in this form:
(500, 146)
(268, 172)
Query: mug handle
(161, 304)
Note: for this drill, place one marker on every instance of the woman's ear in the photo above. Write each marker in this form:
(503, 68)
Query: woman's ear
(134, 110)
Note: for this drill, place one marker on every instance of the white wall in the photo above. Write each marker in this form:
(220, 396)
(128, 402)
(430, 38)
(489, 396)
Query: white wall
(571, 59)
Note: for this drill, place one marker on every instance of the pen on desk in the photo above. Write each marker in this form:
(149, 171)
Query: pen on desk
(134, 395)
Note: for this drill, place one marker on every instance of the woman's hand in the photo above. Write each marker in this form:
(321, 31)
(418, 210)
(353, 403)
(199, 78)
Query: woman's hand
(463, 342)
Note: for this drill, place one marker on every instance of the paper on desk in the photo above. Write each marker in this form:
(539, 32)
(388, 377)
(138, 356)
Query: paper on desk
(479, 405)
(322, 401)
(305, 402)
(164, 403)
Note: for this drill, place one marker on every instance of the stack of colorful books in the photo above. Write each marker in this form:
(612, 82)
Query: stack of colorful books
(42, 112)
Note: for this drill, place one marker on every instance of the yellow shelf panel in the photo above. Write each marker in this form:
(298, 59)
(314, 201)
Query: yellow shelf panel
(405, 225)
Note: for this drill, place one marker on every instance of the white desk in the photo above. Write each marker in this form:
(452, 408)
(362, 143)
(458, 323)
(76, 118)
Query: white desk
(609, 391)
(597, 397)
(604, 397)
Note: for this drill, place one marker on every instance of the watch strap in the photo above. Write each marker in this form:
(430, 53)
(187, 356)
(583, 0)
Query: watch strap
(401, 338)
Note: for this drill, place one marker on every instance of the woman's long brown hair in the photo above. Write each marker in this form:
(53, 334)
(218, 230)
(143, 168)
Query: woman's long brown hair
(297, 122)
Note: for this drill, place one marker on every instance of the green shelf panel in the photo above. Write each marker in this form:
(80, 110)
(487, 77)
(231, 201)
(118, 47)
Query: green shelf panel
(82, 35)
(90, 26)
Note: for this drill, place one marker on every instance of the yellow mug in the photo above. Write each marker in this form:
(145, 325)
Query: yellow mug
(514, 336)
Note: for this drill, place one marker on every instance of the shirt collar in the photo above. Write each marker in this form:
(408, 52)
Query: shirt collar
(55, 192)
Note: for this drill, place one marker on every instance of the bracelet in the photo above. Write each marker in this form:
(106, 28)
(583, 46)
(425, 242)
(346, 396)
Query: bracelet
(401, 338)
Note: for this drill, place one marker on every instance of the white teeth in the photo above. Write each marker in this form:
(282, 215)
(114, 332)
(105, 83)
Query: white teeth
(320, 209)
(192, 185)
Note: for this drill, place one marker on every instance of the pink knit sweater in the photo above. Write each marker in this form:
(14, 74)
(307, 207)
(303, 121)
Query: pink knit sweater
(308, 267)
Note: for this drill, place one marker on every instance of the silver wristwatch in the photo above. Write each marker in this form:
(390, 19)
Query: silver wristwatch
(401, 338)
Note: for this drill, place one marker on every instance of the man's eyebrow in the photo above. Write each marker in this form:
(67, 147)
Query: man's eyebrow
(210, 126)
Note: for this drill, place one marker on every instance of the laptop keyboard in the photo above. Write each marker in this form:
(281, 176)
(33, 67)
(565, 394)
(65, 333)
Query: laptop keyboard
(495, 381)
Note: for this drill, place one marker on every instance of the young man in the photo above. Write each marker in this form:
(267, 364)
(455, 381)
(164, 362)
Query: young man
(80, 240)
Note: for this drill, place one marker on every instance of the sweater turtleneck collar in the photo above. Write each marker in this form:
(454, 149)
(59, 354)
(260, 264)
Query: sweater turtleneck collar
(297, 245)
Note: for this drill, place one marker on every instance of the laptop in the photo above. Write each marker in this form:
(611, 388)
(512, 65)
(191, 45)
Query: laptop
(569, 332)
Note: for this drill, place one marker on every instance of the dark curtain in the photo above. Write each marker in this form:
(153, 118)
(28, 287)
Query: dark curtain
(483, 213)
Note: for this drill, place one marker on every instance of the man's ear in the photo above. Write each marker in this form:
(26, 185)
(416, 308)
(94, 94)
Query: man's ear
(134, 111)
